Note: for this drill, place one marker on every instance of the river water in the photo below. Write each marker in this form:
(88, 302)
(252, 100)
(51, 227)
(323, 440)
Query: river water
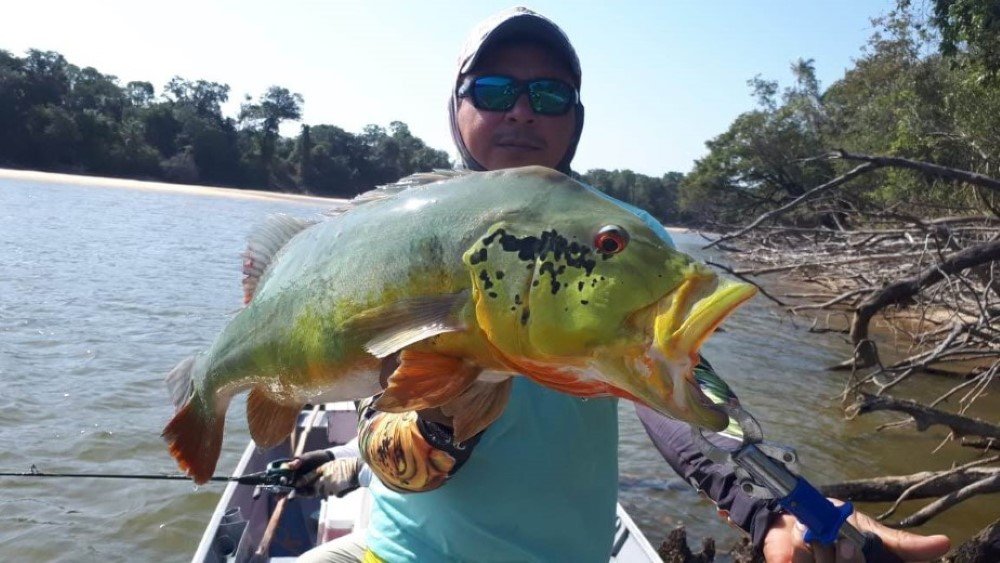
(103, 290)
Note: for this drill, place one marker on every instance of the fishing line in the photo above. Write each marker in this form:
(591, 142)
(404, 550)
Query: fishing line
(251, 479)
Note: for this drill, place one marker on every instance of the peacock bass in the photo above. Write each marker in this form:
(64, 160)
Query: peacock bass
(472, 277)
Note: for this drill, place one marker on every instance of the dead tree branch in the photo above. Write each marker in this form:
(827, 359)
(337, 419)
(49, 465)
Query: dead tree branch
(925, 484)
(981, 487)
(925, 417)
(924, 167)
(906, 288)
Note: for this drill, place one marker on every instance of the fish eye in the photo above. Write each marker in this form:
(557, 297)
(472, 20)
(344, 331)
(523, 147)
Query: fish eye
(611, 239)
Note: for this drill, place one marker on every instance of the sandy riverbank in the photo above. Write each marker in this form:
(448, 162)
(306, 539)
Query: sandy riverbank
(121, 183)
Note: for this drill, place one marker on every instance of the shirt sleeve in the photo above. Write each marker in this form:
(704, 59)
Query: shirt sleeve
(406, 453)
(716, 481)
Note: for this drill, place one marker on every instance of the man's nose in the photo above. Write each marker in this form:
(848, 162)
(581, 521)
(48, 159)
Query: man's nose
(521, 112)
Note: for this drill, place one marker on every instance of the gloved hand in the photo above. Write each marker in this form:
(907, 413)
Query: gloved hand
(307, 463)
(334, 478)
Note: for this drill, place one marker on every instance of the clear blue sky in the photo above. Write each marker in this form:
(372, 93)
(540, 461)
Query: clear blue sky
(659, 77)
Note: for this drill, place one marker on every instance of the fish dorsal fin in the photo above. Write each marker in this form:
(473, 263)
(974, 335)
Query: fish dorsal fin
(389, 190)
(397, 325)
(264, 243)
(425, 380)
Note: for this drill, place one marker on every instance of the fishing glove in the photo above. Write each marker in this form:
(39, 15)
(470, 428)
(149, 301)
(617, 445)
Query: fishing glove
(334, 478)
(309, 462)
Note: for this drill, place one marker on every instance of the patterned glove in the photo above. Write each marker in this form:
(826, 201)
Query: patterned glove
(334, 478)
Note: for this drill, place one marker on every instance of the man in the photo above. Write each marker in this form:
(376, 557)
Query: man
(541, 483)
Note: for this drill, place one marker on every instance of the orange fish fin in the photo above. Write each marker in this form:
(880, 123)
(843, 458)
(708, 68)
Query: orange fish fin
(195, 440)
(425, 380)
(270, 421)
(478, 407)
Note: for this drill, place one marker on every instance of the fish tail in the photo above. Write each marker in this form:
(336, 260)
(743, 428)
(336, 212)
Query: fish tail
(194, 434)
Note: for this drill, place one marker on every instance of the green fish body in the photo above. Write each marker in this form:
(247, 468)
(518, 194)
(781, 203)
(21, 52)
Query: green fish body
(472, 278)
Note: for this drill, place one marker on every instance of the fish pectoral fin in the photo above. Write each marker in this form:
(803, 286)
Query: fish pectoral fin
(270, 421)
(397, 325)
(478, 407)
(425, 380)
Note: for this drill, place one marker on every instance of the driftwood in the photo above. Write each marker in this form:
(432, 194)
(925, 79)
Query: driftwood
(983, 548)
(675, 549)
(932, 282)
(924, 417)
(906, 288)
(925, 484)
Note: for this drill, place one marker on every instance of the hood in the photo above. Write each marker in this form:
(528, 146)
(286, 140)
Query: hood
(520, 22)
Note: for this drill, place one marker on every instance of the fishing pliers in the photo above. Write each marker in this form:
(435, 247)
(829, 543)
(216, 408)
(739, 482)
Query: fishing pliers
(769, 471)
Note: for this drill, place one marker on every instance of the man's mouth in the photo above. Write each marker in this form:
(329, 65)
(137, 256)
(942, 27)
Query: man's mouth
(519, 146)
(519, 143)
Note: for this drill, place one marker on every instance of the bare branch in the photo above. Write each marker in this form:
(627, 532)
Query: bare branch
(886, 489)
(926, 416)
(920, 166)
(981, 487)
(908, 287)
(863, 169)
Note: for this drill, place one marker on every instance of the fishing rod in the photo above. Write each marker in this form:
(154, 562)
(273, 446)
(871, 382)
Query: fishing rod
(274, 476)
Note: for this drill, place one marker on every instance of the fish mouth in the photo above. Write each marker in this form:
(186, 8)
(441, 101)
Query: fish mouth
(681, 322)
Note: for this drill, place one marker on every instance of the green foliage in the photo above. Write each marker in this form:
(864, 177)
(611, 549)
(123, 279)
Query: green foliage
(900, 98)
(57, 116)
(658, 196)
(970, 34)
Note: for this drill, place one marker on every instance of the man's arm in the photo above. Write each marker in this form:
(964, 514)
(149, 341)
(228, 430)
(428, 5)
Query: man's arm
(716, 481)
(409, 453)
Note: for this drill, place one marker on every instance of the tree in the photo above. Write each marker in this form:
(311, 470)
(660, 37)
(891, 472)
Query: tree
(970, 34)
(264, 117)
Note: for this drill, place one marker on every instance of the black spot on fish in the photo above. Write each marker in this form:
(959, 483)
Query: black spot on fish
(517, 298)
(584, 302)
(534, 283)
(579, 286)
(499, 274)
(478, 257)
(550, 242)
(514, 308)
(593, 283)
(524, 316)
(487, 283)
(492, 294)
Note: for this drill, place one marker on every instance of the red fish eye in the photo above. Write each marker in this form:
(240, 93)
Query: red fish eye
(611, 240)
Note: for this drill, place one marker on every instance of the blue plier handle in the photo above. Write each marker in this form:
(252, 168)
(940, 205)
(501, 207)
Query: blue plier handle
(765, 471)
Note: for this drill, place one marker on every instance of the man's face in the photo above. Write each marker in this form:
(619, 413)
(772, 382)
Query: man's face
(518, 137)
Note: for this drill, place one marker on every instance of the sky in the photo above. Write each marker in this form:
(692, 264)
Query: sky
(659, 77)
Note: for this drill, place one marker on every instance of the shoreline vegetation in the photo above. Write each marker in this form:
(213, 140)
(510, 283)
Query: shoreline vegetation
(879, 192)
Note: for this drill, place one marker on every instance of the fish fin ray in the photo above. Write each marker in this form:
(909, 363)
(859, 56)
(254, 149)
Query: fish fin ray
(477, 408)
(388, 191)
(194, 439)
(425, 380)
(406, 322)
(180, 382)
(263, 245)
(270, 421)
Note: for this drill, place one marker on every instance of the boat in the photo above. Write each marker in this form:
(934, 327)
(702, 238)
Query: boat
(241, 528)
